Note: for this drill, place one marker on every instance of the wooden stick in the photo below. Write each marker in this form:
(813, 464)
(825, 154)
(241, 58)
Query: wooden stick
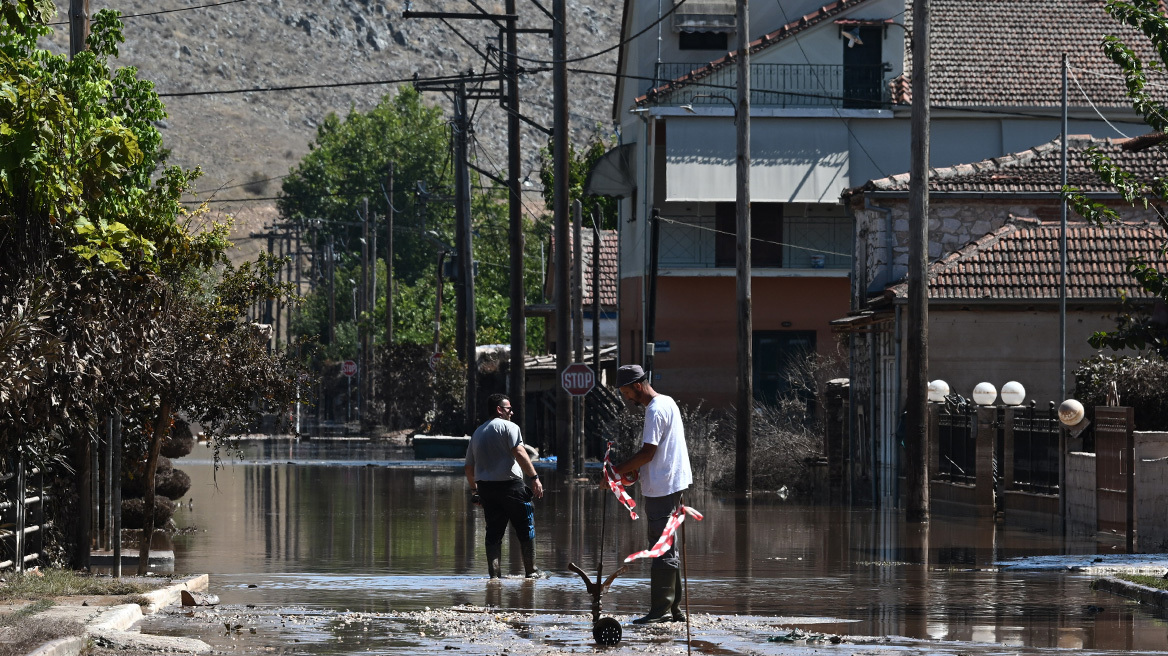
(685, 592)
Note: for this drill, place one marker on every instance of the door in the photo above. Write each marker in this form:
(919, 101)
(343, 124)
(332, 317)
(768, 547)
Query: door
(1114, 475)
(777, 354)
(863, 69)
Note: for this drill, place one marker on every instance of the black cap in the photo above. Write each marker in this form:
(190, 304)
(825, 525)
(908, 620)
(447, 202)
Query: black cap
(629, 374)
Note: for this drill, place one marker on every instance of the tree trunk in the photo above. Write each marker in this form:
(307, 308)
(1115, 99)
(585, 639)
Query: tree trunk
(161, 428)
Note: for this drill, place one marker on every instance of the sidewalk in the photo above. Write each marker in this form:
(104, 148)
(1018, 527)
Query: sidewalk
(111, 625)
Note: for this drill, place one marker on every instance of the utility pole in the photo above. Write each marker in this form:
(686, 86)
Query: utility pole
(917, 359)
(362, 308)
(463, 243)
(518, 369)
(578, 331)
(566, 456)
(745, 419)
(78, 26)
(332, 290)
(389, 262)
(596, 244)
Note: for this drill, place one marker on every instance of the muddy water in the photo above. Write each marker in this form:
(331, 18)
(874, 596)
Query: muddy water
(348, 528)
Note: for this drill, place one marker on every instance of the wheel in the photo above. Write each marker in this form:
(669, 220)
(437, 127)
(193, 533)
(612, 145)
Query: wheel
(607, 631)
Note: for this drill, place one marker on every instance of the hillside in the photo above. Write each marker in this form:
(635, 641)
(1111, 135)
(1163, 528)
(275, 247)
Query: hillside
(245, 142)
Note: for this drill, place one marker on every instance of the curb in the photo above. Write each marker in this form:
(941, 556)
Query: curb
(61, 647)
(111, 625)
(1134, 591)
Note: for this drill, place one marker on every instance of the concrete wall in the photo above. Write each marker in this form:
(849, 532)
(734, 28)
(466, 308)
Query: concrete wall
(1151, 491)
(1081, 504)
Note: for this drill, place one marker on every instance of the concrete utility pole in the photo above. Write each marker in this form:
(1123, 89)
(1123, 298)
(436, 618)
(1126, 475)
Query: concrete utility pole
(332, 290)
(578, 329)
(917, 359)
(566, 456)
(389, 262)
(745, 419)
(518, 375)
(78, 26)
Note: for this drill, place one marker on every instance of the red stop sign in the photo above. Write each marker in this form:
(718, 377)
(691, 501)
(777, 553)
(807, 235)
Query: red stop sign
(578, 379)
(349, 368)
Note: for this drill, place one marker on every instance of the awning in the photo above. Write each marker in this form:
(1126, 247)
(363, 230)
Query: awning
(612, 174)
(705, 16)
(804, 161)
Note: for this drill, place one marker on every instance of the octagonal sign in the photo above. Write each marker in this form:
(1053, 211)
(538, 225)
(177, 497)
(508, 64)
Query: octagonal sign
(578, 379)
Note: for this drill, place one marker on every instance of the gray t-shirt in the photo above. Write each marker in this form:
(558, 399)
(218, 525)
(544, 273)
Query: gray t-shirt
(490, 451)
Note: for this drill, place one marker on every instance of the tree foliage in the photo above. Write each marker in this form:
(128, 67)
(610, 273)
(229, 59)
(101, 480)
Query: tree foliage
(1136, 327)
(580, 163)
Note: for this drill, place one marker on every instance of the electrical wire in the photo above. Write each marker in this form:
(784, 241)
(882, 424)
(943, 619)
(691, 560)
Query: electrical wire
(754, 239)
(301, 87)
(167, 11)
(1092, 104)
(601, 52)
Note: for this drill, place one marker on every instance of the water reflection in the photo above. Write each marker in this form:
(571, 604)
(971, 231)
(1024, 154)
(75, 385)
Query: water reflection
(349, 525)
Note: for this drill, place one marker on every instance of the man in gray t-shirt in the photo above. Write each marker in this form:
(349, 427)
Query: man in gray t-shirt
(497, 465)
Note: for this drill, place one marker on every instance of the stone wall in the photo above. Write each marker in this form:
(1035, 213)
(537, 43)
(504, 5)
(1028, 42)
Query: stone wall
(1081, 504)
(1151, 491)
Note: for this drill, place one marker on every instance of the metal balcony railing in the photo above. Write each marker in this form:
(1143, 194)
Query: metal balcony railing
(783, 85)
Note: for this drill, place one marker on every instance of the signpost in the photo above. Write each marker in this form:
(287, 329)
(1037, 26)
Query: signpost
(578, 379)
(434, 360)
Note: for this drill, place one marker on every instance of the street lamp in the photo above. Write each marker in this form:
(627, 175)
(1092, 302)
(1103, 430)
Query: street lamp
(938, 390)
(984, 394)
(1013, 393)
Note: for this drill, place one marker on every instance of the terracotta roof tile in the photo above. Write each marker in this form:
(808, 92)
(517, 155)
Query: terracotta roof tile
(609, 262)
(1020, 261)
(1037, 170)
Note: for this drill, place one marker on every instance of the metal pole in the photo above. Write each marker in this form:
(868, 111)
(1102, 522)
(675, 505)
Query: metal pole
(578, 331)
(745, 418)
(518, 372)
(389, 216)
(564, 450)
(1063, 250)
(597, 243)
(332, 290)
(116, 473)
(651, 306)
(917, 358)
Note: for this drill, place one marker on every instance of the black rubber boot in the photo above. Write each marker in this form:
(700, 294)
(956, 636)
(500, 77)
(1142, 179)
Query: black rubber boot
(494, 554)
(662, 592)
(678, 592)
(527, 549)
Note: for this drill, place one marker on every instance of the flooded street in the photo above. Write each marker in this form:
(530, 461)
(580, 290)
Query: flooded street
(346, 546)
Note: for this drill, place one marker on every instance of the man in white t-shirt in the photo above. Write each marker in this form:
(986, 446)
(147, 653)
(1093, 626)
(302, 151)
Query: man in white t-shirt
(663, 462)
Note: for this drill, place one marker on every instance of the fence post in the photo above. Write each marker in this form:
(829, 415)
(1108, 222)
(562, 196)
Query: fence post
(1008, 446)
(984, 457)
(18, 557)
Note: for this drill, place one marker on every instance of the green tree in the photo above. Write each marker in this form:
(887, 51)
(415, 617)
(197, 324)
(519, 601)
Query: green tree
(1135, 327)
(579, 164)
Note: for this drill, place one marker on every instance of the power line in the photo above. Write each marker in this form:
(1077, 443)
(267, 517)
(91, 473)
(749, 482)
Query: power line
(168, 11)
(754, 239)
(301, 87)
(606, 50)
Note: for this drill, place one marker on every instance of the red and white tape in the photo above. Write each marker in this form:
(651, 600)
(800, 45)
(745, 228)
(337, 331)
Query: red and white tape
(666, 540)
(614, 484)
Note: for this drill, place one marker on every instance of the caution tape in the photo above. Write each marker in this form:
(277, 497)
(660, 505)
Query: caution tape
(666, 541)
(614, 484)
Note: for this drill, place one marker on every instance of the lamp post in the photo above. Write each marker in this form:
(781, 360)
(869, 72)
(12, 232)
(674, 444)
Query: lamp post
(742, 273)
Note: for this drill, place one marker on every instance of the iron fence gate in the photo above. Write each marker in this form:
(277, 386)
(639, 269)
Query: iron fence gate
(957, 442)
(1036, 449)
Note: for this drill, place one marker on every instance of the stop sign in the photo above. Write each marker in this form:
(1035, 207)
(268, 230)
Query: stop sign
(349, 368)
(578, 379)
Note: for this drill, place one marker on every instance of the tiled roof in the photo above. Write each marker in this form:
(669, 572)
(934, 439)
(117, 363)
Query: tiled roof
(609, 259)
(767, 40)
(1009, 52)
(986, 53)
(1020, 261)
(1035, 171)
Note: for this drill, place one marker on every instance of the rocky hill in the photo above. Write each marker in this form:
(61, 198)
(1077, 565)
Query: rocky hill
(245, 142)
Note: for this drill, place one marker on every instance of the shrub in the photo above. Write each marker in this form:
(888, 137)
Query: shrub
(416, 396)
(1139, 381)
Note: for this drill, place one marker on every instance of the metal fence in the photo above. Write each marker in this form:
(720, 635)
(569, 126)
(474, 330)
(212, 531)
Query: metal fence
(782, 85)
(22, 513)
(1036, 449)
(957, 442)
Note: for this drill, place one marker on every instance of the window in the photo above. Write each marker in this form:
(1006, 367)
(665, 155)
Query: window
(703, 41)
(863, 69)
(766, 232)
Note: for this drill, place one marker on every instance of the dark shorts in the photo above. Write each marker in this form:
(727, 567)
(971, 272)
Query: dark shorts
(507, 502)
(657, 512)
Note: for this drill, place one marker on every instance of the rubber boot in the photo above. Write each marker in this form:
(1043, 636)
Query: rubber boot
(527, 549)
(678, 592)
(494, 554)
(662, 592)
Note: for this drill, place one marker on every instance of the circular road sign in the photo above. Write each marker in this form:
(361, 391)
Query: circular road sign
(578, 379)
(435, 358)
(349, 368)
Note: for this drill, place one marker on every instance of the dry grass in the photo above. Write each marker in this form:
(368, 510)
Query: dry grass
(1157, 582)
(50, 583)
(22, 631)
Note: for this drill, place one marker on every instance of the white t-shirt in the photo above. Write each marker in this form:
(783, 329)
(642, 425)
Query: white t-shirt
(668, 471)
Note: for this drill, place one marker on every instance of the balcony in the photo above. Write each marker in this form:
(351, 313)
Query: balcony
(785, 85)
(804, 243)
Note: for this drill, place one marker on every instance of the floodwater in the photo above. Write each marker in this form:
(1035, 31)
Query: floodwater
(349, 528)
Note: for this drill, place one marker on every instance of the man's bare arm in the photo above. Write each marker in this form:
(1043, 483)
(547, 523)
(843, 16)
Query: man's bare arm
(528, 469)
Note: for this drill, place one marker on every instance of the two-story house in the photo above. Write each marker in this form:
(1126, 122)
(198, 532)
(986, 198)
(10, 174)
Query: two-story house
(830, 110)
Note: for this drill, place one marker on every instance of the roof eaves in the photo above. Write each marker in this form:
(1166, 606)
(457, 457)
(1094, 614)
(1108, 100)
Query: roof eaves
(765, 41)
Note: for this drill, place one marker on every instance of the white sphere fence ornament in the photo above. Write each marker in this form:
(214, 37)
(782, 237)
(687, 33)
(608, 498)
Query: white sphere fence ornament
(938, 390)
(1013, 393)
(1071, 412)
(985, 394)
